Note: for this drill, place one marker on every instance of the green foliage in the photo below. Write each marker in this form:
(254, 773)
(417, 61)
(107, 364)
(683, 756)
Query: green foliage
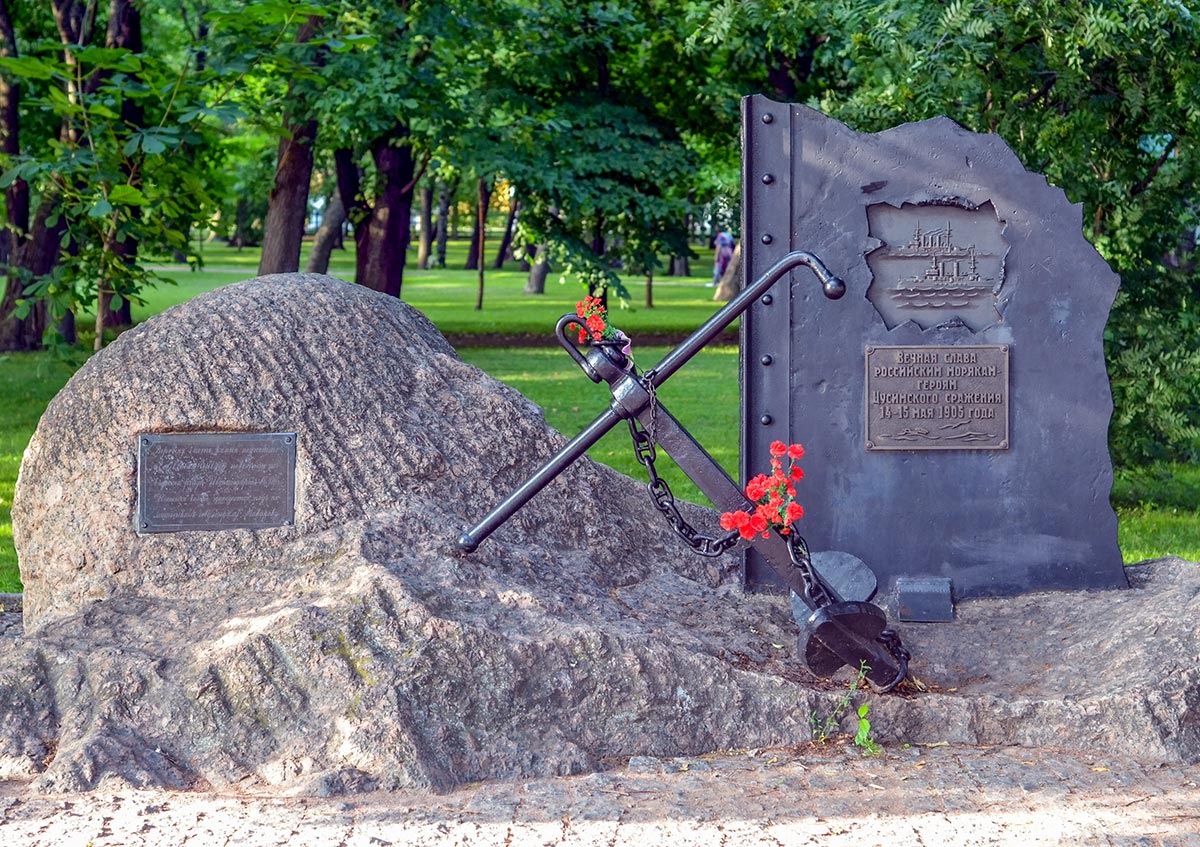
(862, 734)
(1100, 98)
(1154, 366)
(823, 729)
(1166, 485)
(570, 118)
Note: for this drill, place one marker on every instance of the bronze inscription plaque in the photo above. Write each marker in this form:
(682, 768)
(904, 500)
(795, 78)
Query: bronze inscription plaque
(215, 480)
(937, 398)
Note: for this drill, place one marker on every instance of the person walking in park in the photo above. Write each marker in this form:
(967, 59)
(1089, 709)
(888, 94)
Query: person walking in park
(724, 252)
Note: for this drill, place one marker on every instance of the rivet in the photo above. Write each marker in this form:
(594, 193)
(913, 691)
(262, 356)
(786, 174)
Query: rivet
(146, 442)
(767, 179)
(768, 118)
(767, 239)
(144, 524)
(1004, 445)
(870, 445)
(766, 360)
(287, 440)
(767, 299)
(765, 420)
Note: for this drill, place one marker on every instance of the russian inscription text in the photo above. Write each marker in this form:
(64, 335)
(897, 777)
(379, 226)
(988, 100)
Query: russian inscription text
(937, 398)
(216, 480)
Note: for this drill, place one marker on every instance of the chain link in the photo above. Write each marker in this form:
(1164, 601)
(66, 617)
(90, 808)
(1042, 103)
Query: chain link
(664, 500)
(815, 595)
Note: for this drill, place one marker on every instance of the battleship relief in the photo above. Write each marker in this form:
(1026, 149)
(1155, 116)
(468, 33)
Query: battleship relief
(939, 266)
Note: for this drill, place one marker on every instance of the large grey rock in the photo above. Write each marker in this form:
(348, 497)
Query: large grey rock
(356, 651)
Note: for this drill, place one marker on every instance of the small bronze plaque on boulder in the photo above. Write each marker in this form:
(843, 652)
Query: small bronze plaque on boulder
(937, 397)
(215, 480)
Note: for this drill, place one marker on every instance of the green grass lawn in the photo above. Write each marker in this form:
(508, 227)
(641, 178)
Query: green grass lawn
(1158, 506)
(447, 296)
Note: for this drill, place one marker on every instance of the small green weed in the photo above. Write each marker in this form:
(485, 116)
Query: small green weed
(825, 728)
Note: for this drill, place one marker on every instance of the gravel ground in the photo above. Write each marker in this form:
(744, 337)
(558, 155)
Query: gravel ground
(814, 794)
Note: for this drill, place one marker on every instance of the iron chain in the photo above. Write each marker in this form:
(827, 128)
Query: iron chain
(664, 500)
(815, 595)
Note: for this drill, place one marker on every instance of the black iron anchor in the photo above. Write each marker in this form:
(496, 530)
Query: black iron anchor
(838, 632)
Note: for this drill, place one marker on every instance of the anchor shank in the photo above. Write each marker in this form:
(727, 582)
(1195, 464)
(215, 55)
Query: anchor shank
(560, 461)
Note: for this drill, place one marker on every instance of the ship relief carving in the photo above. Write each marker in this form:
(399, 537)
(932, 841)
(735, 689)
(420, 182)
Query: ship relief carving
(937, 265)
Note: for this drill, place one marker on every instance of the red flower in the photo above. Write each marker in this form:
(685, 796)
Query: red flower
(595, 323)
(735, 520)
(773, 497)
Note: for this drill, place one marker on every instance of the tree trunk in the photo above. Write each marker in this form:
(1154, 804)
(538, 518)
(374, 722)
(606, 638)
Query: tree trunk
(328, 234)
(598, 251)
(731, 280)
(382, 234)
(287, 211)
(473, 257)
(680, 265)
(14, 335)
(443, 222)
(124, 32)
(425, 237)
(16, 196)
(506, 241)
(35, 257)
(485, 194)
(538, 271)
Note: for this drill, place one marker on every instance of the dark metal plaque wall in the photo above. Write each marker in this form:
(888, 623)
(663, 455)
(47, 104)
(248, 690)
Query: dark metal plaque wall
(954, 405)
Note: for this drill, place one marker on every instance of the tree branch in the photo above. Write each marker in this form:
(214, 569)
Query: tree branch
(1149, 178)
(420, 173)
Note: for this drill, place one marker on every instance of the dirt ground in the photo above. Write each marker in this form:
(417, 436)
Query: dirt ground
(825, 794)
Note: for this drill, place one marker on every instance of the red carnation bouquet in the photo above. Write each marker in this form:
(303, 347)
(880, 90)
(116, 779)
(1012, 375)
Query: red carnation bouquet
(594, 325)
(774, 496)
